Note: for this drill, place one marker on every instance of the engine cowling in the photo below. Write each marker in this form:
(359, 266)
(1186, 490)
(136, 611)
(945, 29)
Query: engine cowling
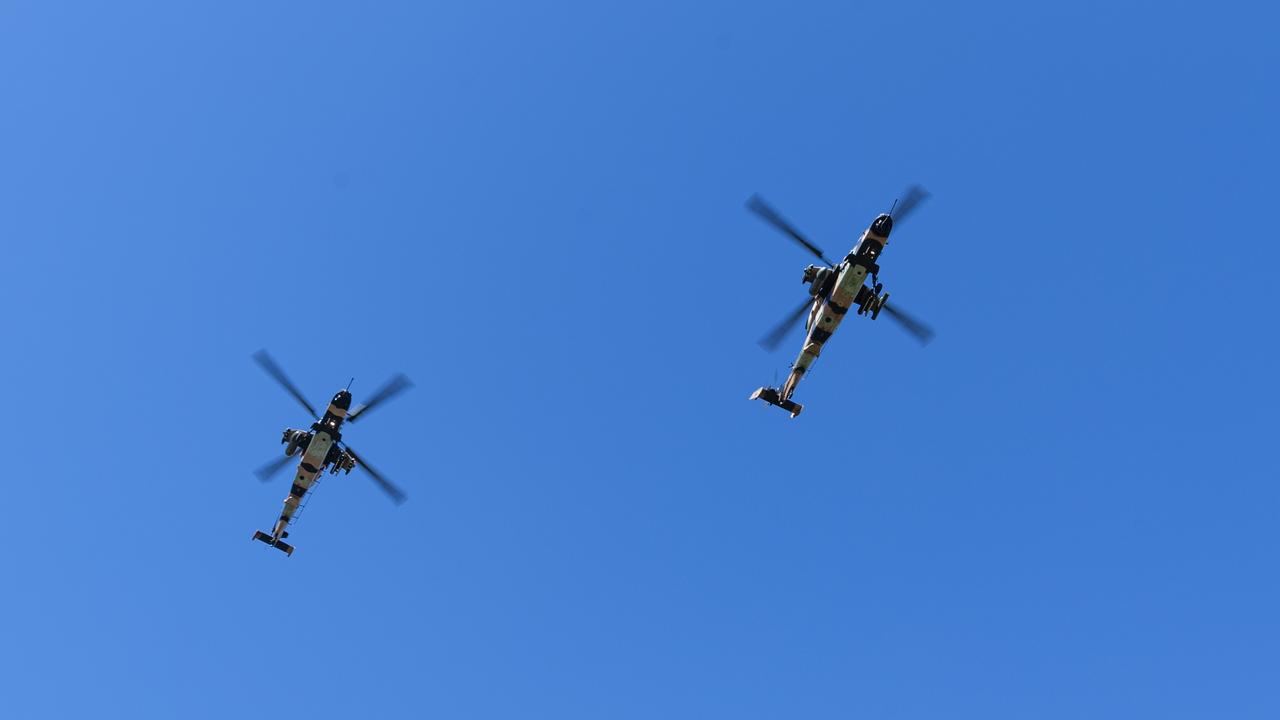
(294, 441)
(818, 279)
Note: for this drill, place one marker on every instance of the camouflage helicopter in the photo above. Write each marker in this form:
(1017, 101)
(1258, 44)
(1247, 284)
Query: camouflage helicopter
(834, 290)
(320, 448)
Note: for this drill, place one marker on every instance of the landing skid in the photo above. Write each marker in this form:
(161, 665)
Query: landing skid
(283, 547)
(770, 395)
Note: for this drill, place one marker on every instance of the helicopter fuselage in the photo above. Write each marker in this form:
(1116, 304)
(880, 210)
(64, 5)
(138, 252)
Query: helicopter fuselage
(320, 449)
(830, 306)
(313, 462)
(835, 292)
(836, 289)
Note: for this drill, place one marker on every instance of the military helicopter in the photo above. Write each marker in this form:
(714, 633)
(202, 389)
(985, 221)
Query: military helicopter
(321, 448)
(834, 290)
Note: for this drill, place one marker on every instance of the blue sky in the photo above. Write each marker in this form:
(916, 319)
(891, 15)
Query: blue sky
(1064, 507)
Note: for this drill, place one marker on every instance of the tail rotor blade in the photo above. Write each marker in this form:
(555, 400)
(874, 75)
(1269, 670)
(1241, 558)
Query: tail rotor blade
(390, 389)
(919, 330)
(396, 494)
(758, 206)
(268, 471)
(268, 364)
(780, 331)
(915, 195)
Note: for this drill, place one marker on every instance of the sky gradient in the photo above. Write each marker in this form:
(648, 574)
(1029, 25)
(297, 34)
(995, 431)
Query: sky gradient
(1064, 507)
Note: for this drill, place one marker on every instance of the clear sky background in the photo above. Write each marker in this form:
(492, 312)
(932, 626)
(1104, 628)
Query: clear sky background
(1065, 507)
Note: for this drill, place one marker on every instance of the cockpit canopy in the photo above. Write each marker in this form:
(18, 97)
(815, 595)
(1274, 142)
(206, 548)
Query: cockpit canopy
(882, 226)
(342, 400)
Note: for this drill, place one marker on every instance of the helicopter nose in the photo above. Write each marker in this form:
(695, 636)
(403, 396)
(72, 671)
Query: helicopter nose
(882, 226)
(342, 400)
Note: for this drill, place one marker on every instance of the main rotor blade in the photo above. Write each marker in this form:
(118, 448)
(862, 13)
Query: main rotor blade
(771, 216)
(915, 195)
(393, 387)
(268, 471)
(780, 331)
(274, 371)
(397, 495)
(921, 331)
